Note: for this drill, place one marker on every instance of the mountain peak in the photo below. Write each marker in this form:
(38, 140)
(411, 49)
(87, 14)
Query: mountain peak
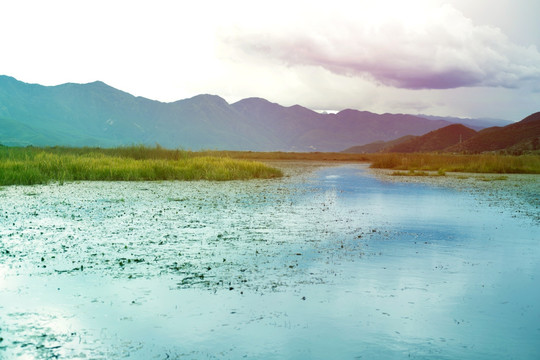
(354, 112)
(256, 103)
(7, 78)
(207, 99)
(208, 96)
(98, 83)
(253, 101)
(99, 86)
(437, 140)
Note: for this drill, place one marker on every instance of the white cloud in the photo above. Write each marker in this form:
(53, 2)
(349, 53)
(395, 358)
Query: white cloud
(435, 48)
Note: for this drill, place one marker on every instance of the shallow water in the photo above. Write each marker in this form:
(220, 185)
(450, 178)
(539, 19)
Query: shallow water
(331, 262)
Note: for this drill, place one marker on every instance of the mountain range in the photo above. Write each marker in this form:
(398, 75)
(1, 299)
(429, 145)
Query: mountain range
(96, 114)
(514, 138)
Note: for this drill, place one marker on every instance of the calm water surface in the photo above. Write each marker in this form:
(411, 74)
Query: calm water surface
(330, 263)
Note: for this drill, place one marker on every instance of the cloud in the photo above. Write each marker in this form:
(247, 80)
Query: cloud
(405, 47)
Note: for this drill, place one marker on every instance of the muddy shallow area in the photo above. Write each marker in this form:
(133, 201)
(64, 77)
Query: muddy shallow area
(332, 261)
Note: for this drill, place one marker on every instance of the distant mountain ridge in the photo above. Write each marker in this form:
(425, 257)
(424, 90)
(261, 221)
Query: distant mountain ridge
(521, 136)
(96, 114)
(377, 146)
(437, 140)
(513, 138)
(475, 124)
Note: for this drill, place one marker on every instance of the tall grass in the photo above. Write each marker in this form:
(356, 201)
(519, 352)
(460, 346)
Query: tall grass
(28, 166)
(482, 163)
(134, 163)
(281, 155)
(441, 163)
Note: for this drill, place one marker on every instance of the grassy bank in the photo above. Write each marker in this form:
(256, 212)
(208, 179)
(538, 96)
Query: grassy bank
(416, 163)
(300, 156)
(441, 163)
(31, 165)
(28, 166)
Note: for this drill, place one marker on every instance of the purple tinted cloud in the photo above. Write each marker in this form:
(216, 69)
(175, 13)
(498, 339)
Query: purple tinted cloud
(445, 52)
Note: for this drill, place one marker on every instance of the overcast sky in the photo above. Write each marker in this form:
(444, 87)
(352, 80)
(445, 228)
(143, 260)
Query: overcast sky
(469, 58)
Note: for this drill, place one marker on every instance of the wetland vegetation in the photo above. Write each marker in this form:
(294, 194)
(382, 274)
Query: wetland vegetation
(30, 166)
(413, 162)
(441, 163)
(35, 165)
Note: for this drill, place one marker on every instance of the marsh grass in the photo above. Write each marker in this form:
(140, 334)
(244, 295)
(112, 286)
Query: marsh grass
(293, 156)
(439, 163)
(442, 163)
(29, 166)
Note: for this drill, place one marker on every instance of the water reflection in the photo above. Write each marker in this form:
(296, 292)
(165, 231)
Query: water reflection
(334, 264)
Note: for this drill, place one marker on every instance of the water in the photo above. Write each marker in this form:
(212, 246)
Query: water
(327, 263)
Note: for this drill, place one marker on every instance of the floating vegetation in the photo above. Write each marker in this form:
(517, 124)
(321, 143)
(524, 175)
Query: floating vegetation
(493, 178)
(418, 173)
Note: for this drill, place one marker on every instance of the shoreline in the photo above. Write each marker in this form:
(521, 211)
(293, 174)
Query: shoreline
(521, 192)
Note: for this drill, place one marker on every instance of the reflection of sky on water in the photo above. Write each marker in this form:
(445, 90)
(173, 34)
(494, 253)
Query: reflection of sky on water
(340, 265)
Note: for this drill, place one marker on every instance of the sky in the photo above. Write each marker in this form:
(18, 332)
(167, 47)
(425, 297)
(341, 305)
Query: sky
(461, 58)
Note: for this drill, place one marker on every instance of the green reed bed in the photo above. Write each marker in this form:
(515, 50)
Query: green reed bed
(293, 156)
(417, 164)
(28, 166)
(441, 163)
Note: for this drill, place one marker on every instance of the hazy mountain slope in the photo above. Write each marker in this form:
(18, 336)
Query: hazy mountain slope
(208, 121)
(106, 116)
(92, 110)
(302, 129)
(289, 126)
(377, 146)
(437, 140)
(15, 133)
(96, 114)
(475, 124)
(386, 126)
(513, 138)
